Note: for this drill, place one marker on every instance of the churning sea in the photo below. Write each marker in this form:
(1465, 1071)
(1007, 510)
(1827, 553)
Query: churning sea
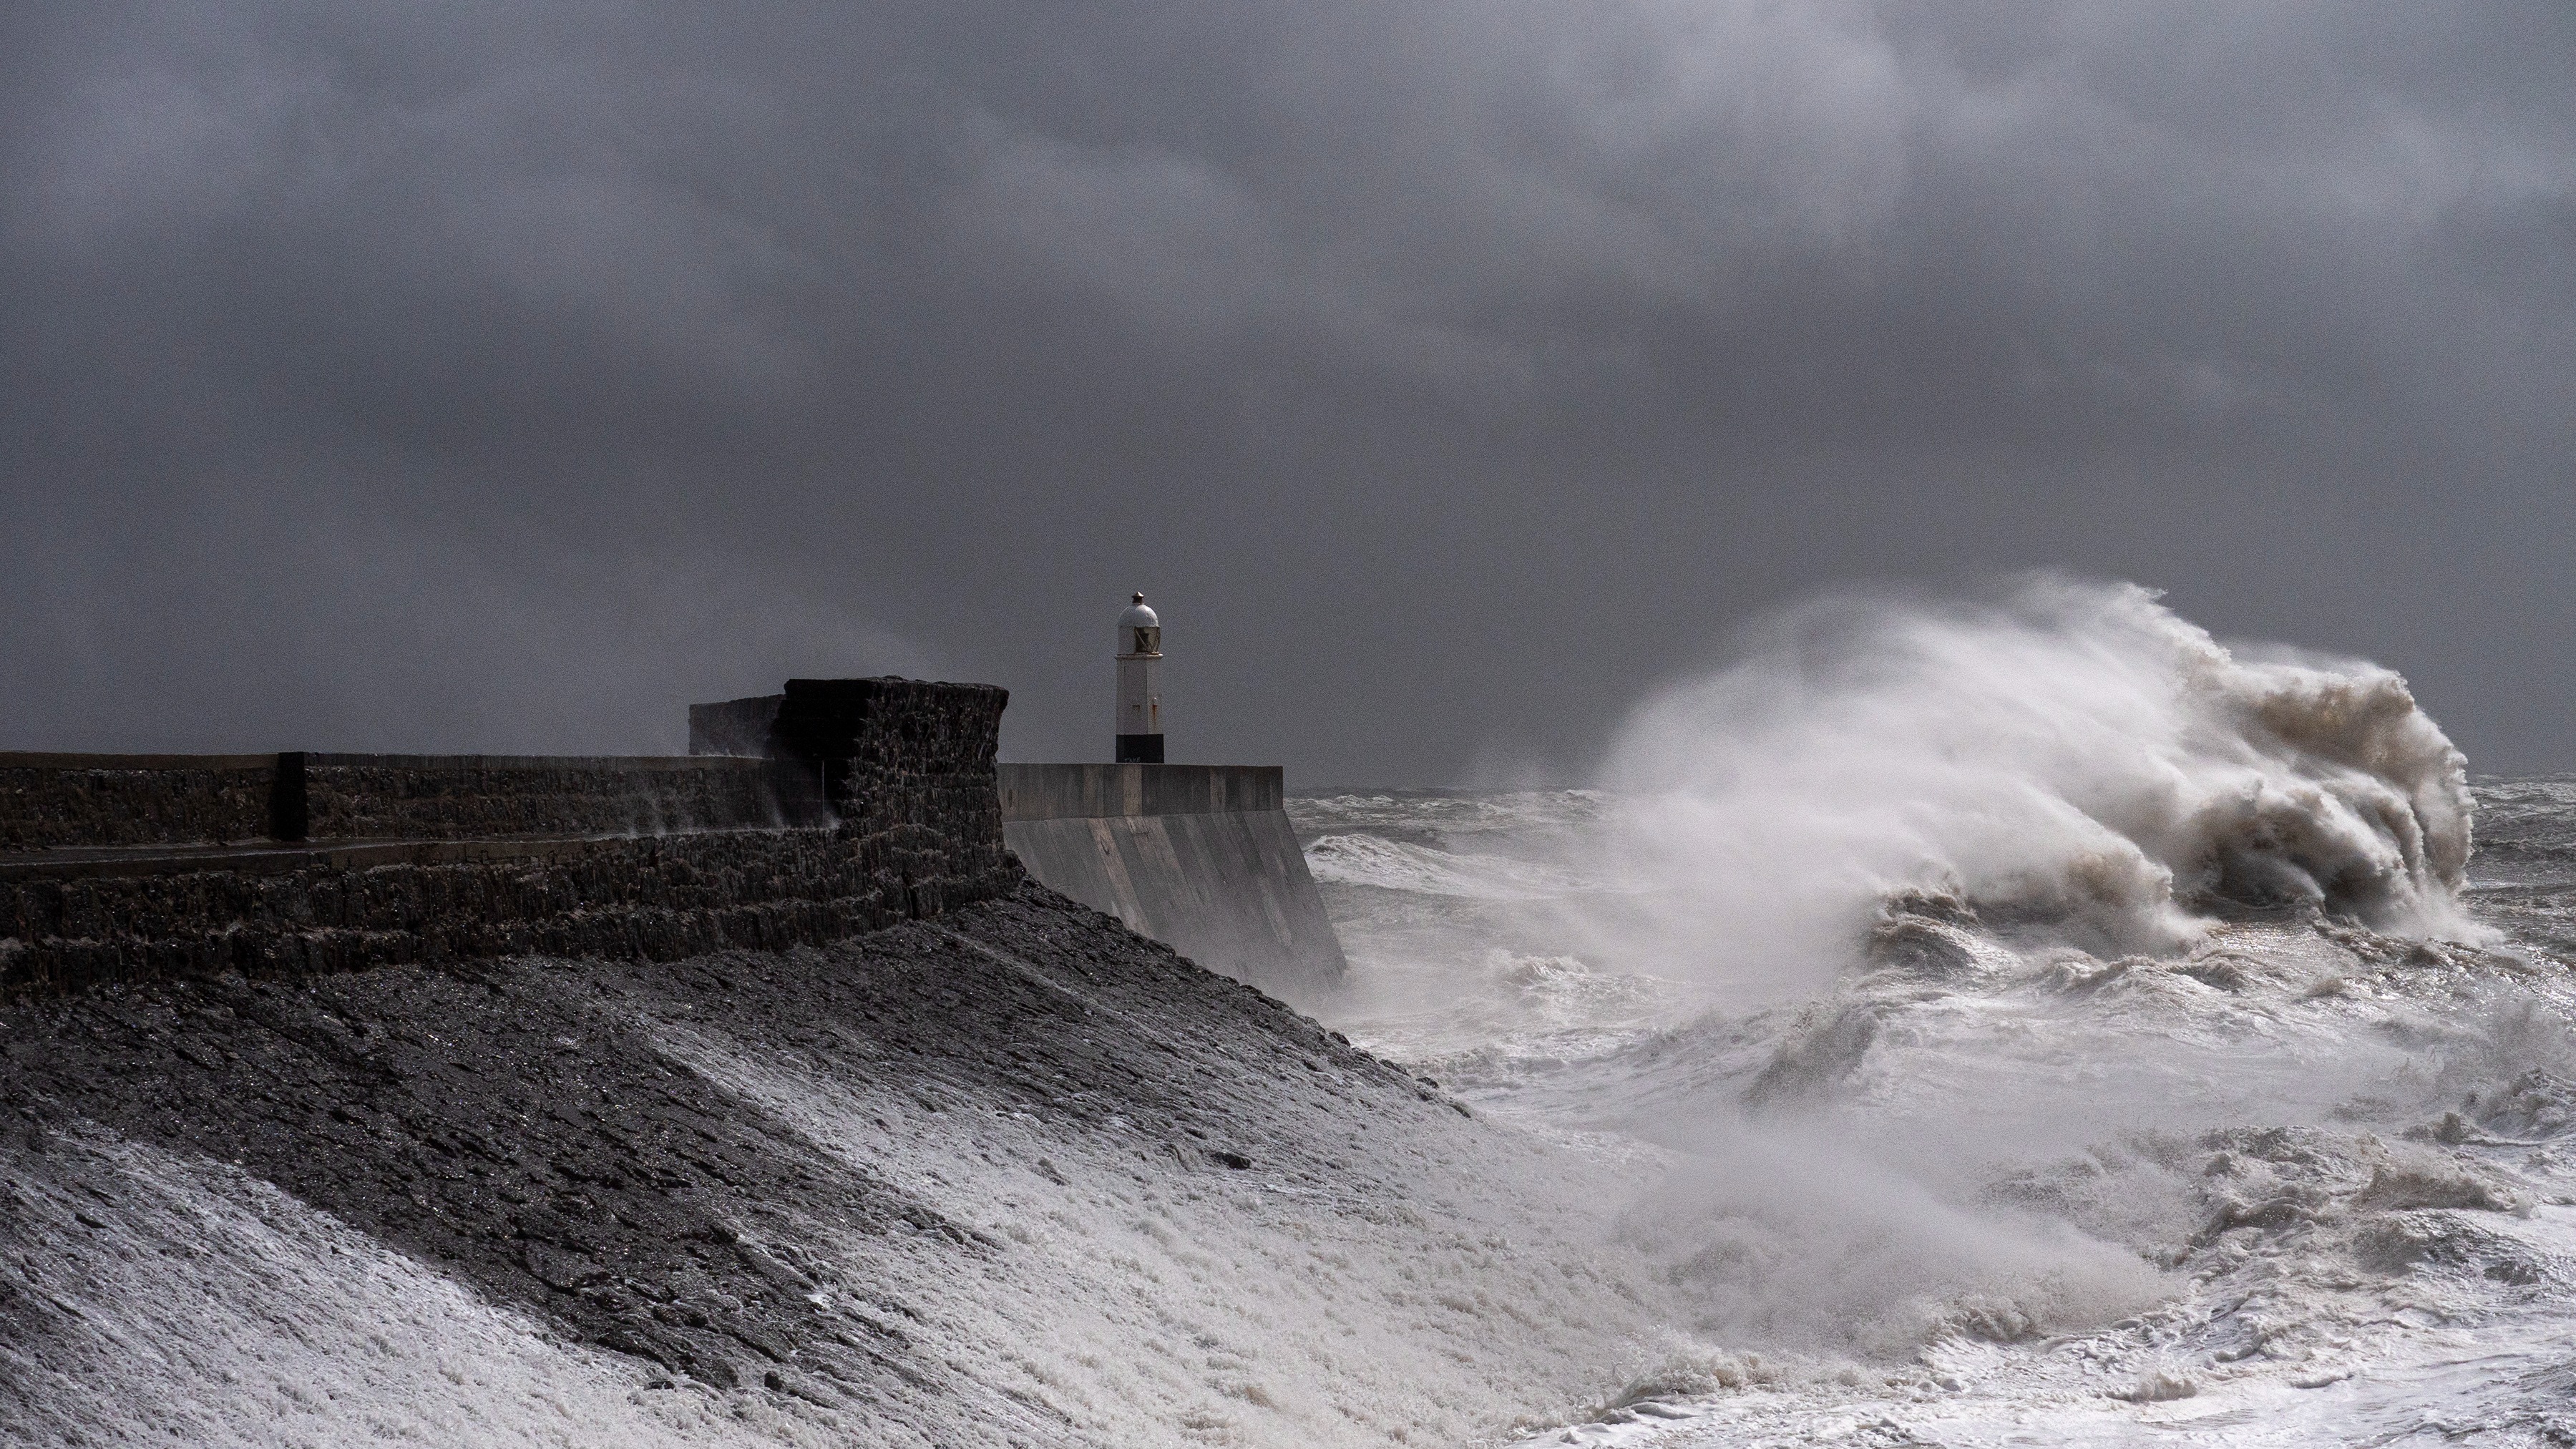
(2299, 1182)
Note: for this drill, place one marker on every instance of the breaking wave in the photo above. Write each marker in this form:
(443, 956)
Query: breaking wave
(2021, 1018)
(2069, 754)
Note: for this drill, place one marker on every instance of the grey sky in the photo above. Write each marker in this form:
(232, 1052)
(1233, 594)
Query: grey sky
(411, 376)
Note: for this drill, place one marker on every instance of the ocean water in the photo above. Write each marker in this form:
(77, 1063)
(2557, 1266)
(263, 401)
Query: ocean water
(2021, 1022)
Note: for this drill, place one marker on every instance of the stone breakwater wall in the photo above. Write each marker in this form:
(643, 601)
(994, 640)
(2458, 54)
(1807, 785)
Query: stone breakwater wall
(891, 753)
(470, 797)
(73, 802)
(287, 913)
(51, 802)
(127, 867)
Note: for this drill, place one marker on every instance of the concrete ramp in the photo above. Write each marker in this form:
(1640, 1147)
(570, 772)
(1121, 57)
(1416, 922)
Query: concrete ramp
(1199, 857)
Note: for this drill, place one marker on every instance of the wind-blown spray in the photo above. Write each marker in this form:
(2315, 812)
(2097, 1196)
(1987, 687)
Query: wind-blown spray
(2070, 752)
(2026, 996)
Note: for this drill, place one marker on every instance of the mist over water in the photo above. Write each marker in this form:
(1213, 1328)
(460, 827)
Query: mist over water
(2023, 1005)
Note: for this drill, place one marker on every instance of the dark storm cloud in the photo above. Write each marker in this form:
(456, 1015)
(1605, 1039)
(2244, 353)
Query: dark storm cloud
(465, 377)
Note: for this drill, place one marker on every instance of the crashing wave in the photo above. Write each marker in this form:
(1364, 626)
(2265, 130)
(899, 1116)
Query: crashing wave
(2071, 753)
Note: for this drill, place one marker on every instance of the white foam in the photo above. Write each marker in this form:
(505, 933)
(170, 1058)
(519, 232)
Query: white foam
(2071, 750)
(1432, 1290)
(2090, 1041)
(1369, 860)
(185, 1301)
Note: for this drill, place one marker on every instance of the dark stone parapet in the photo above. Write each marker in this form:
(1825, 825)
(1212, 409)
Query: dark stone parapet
(49, 801)
(877, 805)
(462, 797)
(896, 753)
(63, 802)
(660, 898)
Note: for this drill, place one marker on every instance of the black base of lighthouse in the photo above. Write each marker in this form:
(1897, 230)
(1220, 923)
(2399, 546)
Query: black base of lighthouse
(1140, 749)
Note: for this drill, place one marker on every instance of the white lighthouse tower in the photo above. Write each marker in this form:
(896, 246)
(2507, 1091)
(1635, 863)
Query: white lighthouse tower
(1140, 696)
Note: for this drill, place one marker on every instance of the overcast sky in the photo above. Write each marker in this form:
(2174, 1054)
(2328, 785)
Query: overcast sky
(436, 376)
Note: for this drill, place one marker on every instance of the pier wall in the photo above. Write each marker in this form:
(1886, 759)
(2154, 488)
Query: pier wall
(1199, 857)
(120, 867)
(853, 804)
(58, 802)
(52, 801)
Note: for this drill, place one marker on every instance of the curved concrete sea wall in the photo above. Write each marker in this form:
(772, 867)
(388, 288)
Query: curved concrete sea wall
(1199, 857)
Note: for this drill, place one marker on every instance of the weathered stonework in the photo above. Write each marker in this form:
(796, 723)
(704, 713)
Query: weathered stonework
(50, 802)
(660, 898)
(477, 797)
(443, 858)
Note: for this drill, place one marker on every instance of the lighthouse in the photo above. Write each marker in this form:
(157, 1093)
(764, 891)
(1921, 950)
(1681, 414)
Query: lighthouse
(1140, 696)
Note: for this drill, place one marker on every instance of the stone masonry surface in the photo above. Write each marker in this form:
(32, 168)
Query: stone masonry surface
(397, 797)
(653, 858)
(49, 802)
(658, 897)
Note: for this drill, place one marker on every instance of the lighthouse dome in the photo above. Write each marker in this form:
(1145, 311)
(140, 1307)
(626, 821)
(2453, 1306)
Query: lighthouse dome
(1138, 616)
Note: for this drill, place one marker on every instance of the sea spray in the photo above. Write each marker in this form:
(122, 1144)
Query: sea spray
(2041, 1015)
(2067, 753)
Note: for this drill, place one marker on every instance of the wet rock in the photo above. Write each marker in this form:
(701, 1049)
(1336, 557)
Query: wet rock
(614, 1193)
(560, 1269)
